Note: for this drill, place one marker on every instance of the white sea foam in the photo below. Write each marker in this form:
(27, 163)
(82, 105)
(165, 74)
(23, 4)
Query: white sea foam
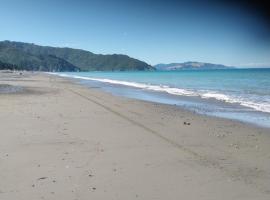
(263, 107)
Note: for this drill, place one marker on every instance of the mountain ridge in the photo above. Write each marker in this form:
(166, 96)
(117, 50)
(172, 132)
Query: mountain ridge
(30, 56)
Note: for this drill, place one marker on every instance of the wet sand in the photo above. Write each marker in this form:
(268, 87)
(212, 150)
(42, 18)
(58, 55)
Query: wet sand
(60, 140)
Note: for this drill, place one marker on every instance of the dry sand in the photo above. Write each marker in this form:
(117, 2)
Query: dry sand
(60, 140)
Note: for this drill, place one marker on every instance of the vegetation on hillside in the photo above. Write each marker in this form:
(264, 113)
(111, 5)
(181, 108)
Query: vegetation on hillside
(43, 58)
(7, 66)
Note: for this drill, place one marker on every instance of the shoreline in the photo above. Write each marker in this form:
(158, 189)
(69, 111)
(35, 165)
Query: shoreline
(175, 106)
(199, 105)
(62, 140)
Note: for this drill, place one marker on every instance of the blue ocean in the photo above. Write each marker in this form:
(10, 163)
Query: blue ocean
(239, 94)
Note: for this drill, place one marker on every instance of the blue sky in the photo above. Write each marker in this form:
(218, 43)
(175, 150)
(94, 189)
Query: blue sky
(153, 31)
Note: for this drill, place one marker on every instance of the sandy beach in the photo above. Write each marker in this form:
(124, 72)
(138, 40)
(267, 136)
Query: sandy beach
(61, 140)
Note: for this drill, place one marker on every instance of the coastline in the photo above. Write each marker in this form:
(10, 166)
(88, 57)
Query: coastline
(61, 140)
(230, 103)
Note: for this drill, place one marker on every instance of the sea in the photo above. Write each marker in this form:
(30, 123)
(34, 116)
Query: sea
(237, 94)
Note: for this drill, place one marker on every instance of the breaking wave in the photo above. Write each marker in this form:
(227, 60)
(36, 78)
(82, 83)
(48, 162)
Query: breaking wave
(258, 106)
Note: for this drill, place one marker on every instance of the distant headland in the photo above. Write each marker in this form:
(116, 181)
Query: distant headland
(190, 66)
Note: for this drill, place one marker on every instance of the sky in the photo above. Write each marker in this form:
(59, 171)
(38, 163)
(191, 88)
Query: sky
(155, 31)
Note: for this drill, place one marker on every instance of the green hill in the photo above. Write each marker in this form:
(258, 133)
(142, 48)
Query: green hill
(7, 66)
(44, 58)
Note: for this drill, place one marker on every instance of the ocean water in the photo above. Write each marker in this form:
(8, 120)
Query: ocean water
(240, 94)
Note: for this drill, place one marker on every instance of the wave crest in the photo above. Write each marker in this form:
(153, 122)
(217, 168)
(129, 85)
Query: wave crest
(263, 107)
